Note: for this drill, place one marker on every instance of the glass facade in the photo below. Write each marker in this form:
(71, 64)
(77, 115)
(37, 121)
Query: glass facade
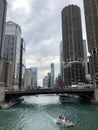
(34, 71)
(12, 48)
(22, 65)
(3, 5)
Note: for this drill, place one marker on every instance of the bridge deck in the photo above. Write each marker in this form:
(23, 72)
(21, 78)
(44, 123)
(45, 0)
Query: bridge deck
(52, 91)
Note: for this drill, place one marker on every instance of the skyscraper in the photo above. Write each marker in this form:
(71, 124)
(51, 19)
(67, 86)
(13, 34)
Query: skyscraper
(91, 18)
(87, 74)
(7, 74)
(34, 70)
(52, 75)
(22, 64)
(12, 49)
(61, 59)
(3, 7)
(85, 58)
(28, 79)
(72, 45)
(47, 81)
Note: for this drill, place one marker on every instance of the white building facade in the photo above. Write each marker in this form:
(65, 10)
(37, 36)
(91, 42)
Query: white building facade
(28, 80)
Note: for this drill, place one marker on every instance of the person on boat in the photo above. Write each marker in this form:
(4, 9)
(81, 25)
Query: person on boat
(68, 120)
(61, 117)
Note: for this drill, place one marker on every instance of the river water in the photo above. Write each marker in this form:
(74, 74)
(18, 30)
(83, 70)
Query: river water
(41, 112)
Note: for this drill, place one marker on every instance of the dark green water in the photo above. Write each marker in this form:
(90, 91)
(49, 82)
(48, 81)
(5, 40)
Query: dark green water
(40, 113)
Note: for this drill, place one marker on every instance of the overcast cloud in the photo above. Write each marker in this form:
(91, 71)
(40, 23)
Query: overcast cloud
(40, 22)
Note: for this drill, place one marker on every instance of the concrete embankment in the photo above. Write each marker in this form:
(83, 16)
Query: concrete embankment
(95, 99)
(2, 94)
(6, 105)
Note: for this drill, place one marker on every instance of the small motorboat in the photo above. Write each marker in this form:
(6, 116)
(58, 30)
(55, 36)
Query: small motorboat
(63, 121)
(6, 105)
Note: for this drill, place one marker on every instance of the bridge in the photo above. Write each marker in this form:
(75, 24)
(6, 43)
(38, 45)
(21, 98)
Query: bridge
(86, 93)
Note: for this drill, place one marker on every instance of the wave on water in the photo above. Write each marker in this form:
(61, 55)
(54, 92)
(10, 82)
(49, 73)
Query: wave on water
(51, 118)
(41, 100)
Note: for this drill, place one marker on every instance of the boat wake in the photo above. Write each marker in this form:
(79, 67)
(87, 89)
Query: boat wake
(51, 118)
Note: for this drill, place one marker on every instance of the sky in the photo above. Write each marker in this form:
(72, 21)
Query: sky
(40, 22)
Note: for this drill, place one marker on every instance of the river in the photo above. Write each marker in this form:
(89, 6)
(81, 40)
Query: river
(41, 112)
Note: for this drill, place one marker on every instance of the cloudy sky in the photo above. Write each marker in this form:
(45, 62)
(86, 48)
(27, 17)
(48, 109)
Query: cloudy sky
(40, 22)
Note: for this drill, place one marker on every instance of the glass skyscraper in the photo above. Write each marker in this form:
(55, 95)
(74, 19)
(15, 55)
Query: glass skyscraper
(22, 64)
(34, 70)
(3, 7)
(61, 59)
(12, 49)
(52, 75)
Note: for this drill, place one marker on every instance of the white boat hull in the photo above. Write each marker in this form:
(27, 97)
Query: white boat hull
(65, 123)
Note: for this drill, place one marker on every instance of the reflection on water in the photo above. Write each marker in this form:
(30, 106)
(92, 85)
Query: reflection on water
(41, 100)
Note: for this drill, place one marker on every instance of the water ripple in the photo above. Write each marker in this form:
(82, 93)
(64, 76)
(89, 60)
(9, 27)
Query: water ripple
(40, 113)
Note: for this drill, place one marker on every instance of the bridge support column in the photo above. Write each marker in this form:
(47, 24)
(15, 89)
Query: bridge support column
(95, 99)
(2, 94)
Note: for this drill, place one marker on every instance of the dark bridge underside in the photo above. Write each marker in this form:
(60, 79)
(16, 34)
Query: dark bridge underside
(86, 93)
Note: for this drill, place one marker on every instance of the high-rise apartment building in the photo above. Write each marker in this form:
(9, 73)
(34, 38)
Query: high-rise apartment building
(7, 74)
(85, 61)
(34, 70)
(28, 79)
(91, 18)
(12, 49)
(59, 82)
(72, 45)
(22, 64)
(85, 56)
(85, 50)
(47, 81)
(3, 7)
(61, 59)
(52, 75)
